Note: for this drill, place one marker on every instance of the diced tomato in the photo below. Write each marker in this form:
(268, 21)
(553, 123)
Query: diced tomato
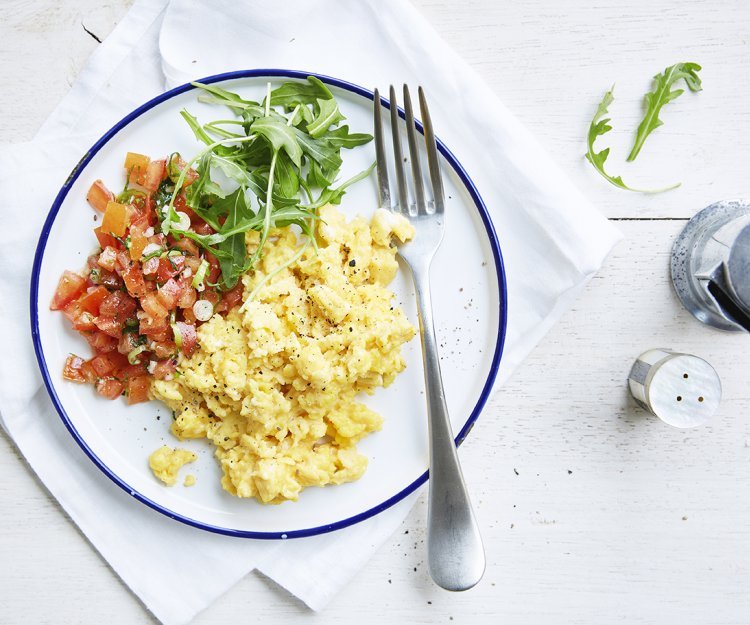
(202, 227)
(138, 242)
(101, 343)
(82, 320)
(92, 299)
(115, 220)
(214, 269)
(194, 262)
(118, 304)
(165, 368)
(137, 389)
(119, 291)
(137, 214)
(77, 369)
(109, 388)
(231, 298)
(212, 296)
(106, 239)
(164, 349)
(169, 293)
(136, 165)
(150, 267)
(110, 326)
(134, 281)
(188, 297)
(128, 342)
(189, 337)
(155, 329)
(99, 196)
(180, 204)
(70, 286)
(178, 164)
(169, 267)
(153, 307)
(186, 245)
(133, 371)
(158, 239)
(107, 258)
(188, 316)
(155, 173)
(108, 364)
(110, 280)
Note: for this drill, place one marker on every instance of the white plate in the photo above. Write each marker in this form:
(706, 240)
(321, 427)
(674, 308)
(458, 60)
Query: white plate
(468, 288)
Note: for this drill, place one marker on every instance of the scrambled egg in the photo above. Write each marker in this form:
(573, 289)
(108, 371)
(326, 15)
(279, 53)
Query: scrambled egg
(273, 384)
(165, 462)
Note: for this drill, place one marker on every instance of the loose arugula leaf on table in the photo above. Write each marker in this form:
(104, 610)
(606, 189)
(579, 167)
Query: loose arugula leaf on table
(661, 95)
(274, 156)
(600, 126)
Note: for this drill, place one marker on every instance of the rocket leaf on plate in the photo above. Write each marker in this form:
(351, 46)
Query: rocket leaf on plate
(271, 154)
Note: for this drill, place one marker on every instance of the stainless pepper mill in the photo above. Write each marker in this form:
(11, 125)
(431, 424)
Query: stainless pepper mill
(711, 265)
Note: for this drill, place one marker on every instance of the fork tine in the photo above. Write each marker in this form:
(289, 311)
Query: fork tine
(403, 196)
(384, 192)
(416, 169)
(432, 155)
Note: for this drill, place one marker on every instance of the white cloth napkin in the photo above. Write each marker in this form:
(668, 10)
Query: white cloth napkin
(553, 241)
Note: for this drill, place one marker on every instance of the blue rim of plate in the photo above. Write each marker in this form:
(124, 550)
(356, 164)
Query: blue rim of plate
(262, 73)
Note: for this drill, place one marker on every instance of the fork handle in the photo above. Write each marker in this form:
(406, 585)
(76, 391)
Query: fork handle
(454, 545)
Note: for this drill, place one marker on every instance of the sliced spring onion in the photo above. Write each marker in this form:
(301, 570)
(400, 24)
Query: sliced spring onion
(151, 250)
(134, 353)
(183, 221)
(203, 310)
(175, 330)
(200, 276)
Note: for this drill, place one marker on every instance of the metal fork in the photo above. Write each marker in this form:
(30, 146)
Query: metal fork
(454, 546)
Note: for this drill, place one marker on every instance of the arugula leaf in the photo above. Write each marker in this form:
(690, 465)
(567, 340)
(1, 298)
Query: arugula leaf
(597, 128)
(291, 94)
(328, 114)
(341, 138)
(203, 186)
(287, 180)
(280, 136)
(661, 95)
(227, 98)
(600, 126)
(231, 169)
(333, 196)
(233, 261)
(317, 176)
(274, 155)
(319, 150)
(197, 129)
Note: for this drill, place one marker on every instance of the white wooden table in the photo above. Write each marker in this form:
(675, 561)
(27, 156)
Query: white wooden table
(592, 511)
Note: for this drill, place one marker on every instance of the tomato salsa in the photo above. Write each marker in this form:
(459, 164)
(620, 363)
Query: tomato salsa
(142, 294)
